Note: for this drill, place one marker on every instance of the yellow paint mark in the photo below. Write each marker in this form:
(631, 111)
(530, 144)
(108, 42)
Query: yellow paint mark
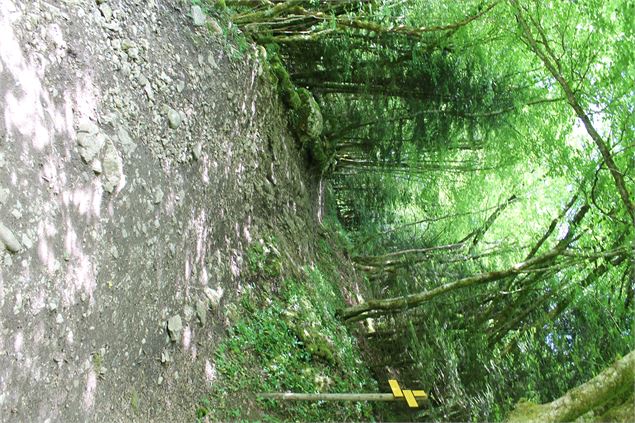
(396, 390)
(410, 399)
(420, 394)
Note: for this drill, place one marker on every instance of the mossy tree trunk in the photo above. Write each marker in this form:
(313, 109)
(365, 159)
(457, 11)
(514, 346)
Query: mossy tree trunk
(614, 382)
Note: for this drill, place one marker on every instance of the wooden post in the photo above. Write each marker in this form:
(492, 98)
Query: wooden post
(328, 397)
(397, 394)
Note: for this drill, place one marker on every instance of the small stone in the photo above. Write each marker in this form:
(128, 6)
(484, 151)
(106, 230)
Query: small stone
(112, 26)
(59, 319)
(16, 213)
(26, 241)
(174, 118)
(211, 61)
(149, 91)
(216, 29)
(142, 79)
(198, 16)
(188, 311)
(197, 152)
(214, 295)
(90, 141)
(96, 166)
(4, 195)
(106, 11)
(175, 326)
(88, 127)
(158, 196)
(126, 141)
(9, 240)
(201, 311)
(160, 380)
(113, 168)
(180, 86)
(126, 44)
(133, 53)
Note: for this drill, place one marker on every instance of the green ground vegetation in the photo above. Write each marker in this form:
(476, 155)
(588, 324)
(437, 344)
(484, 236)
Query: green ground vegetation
(287, 341)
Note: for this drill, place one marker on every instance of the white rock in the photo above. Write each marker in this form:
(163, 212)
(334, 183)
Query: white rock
(113, 168)
(106, 11)
(174, 118)
(198, 17)
(96, 166)
(214, 295)
(175, 326)
(9, 240)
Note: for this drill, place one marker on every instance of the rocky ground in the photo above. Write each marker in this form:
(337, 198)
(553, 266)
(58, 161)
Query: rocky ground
(141, 152)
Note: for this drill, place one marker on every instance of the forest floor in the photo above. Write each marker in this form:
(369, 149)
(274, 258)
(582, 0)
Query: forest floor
(164, 216)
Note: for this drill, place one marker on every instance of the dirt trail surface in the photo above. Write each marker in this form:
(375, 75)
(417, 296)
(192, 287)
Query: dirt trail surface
(139, 156)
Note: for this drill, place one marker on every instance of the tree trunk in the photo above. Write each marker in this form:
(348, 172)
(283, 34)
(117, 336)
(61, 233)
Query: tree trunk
(615, 381)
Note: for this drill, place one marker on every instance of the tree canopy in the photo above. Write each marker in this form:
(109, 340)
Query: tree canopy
(481, 156)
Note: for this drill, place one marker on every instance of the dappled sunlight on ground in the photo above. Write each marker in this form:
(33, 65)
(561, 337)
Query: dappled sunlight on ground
(210, 371)
(39, 130)
(123, 221)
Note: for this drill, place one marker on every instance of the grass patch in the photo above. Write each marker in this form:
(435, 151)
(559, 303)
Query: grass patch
(236, 44)
(290, 341)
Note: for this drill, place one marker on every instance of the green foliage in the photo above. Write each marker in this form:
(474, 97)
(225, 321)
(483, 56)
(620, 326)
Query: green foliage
(305, 117)
(425, 135)
(287, 342)
(286, 89)
(263, 259)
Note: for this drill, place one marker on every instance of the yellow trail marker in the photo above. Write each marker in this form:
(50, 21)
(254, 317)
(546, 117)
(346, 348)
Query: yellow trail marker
(410, 395)
(420, 394)
(410, 399)
(396, 390)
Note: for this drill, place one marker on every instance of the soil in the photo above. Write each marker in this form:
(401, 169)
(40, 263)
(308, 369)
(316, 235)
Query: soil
(139, 156)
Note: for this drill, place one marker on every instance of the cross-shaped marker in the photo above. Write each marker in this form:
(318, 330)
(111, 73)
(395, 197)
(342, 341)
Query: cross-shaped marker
(397, 393)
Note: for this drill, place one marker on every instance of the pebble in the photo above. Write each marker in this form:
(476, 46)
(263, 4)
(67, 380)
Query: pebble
(175, 326)
(106, 11)
(201, 311)
(174, 118)
(198, 17)
(216, 29)
(197, 151)
(96, 166)
(158, 196)
(90, 141)
(214, 295)
(9, 240)
(149, 92)
(26, 241)
(112, 168)
(188, 311)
